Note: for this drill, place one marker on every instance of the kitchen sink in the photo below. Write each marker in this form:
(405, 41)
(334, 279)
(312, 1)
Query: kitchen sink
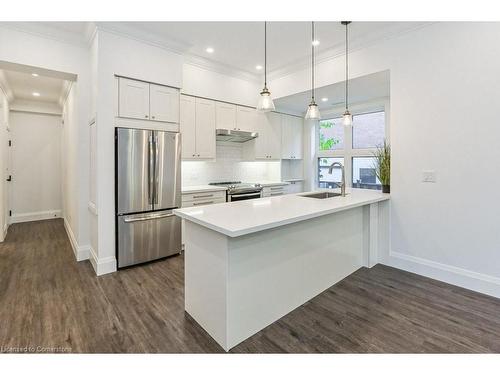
(322, 195)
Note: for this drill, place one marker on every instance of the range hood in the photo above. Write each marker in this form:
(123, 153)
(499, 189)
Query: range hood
(238, 136)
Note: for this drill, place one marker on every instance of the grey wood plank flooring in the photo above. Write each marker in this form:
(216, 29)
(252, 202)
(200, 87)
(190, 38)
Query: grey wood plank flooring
(47, 299)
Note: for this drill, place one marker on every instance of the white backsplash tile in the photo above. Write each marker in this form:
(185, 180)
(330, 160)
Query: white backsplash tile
(229, 166)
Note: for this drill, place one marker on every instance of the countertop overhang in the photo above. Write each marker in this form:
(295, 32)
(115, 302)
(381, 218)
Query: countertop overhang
(236, 219)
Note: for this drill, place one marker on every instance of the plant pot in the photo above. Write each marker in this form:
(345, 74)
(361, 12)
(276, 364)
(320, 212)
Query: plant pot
(386, 188)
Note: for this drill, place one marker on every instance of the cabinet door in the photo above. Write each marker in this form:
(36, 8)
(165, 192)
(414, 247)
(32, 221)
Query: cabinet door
(294, 187)
(297, 137)
(225, 116)
(133, 99)
(291, 143)
(164, 103)
(188, 127)
(246, 119)
(205, 128)
(273, 124)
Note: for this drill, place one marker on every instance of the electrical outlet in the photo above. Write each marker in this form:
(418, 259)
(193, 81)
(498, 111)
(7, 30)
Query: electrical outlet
(428, 176)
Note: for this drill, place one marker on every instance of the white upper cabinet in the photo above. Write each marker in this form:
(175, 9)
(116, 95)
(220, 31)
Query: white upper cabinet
(197, 127)
(225, 116)
(147, 101)
(163, 103)
(246, 119)
(205, 128)
(292, 137)
(267, 146)
(133, 99)
(188, 127)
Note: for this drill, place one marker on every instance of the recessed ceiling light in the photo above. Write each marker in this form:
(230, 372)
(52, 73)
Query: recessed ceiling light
(36, 94)
(315, 42)
(258, 67)
(34, 74)
(210, 50)
(324, 99)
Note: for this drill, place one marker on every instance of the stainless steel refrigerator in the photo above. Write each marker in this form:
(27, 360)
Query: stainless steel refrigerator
(148, 188)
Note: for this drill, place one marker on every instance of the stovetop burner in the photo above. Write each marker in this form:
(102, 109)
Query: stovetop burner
(234, 187)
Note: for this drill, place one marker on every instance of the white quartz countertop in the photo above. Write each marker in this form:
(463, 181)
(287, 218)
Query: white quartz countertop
(249, 216)
(201, 188)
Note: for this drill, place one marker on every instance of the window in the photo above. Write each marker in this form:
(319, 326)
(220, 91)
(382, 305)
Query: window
(331, 134)
(325, 179)
(353, 147)
(368, 130)
(363, 173)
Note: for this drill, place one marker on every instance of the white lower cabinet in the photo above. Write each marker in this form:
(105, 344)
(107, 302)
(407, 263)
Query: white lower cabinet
(294, 187)
(202, 198)
(275, 190)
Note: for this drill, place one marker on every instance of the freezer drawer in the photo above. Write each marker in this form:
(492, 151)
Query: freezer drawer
(145, 237)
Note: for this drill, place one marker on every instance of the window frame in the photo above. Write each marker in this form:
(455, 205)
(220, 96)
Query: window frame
(348, 152)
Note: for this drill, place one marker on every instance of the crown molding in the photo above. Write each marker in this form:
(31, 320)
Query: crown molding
(46, 32)
(339, 50)
(217, 67)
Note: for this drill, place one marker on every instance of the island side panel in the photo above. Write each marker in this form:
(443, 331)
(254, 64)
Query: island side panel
(275, 271)
(205, 279)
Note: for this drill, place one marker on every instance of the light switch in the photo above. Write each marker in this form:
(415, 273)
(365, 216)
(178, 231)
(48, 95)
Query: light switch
(429, 176)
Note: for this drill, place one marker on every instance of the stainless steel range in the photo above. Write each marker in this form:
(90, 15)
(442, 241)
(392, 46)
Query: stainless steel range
(238, 191)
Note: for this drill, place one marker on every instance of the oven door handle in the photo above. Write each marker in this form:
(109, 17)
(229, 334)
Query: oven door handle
(246, 195)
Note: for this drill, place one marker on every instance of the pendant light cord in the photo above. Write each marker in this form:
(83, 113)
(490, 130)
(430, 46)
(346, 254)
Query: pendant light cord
(346, 67)
(312, 59)
(265, 53)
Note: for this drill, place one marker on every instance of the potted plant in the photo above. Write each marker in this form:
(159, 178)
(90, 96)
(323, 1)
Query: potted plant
(383, 166)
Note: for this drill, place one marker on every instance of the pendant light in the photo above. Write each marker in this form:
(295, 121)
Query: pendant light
(265, 103)
(312, 110)
(346, 117)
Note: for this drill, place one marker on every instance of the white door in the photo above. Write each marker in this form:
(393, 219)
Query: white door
(297, 137)
(188, 127)
(246, 119)
(225, 116)
(286, 137)
(163, 103)
(133, 99)
(291, 137)
(205, 128)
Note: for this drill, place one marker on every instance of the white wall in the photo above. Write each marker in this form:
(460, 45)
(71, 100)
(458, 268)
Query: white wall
(35, 191)
(35, 106)
(445, 85)
(229, 166)
(63, 57)
(4, 203)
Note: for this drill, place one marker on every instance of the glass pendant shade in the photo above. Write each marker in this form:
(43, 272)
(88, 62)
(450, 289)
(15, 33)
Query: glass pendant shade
(313, 112)
(265, 103)
(347, 118)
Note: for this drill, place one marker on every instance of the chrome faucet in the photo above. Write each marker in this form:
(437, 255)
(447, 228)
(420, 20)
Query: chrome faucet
(342, 183)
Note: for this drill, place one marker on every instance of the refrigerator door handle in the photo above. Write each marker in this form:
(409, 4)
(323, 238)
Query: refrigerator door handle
(151, 170)
(144, 218)
(157, 172)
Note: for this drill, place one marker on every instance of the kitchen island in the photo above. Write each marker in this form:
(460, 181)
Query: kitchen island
(249, 263)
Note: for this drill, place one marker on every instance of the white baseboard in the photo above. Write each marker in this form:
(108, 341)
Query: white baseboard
(34, 216)
(475, 281)
(81, 252)
(102, 266)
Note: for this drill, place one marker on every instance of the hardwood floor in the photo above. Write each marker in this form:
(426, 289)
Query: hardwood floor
(49, 300)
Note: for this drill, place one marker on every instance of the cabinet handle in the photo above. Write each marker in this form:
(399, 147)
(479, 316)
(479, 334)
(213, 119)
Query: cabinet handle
(152, 117)
(194, 155)
(146, 116)
(198, 155)
(200, 203)
(276, 188)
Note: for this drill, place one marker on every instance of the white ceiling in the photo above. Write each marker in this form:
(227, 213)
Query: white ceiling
(361, 89)
(238, 45)
(22, 85)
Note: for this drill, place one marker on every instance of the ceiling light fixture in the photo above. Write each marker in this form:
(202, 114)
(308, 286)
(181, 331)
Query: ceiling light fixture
(312, 110)
(34, 74)
(36, 94)
(265, 103)
(324, 99)
(258, 67)
(346, 117)
(210, 50)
